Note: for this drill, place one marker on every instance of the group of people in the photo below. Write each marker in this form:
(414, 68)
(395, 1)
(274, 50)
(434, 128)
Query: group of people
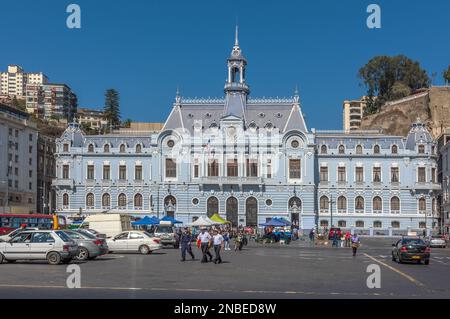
(340, 240)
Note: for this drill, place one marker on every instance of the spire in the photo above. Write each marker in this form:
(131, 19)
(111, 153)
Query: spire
(178, 96)
(236, 37)
(296, 94)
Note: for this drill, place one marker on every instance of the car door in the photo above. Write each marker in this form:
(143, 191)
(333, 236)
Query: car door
(18, 247)
(119, 243)
(135, 241)
(41, 244)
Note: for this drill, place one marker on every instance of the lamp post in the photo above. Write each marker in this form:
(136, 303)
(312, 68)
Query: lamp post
(331, 209)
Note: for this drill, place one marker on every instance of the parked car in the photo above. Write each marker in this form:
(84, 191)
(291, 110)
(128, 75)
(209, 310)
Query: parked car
(10, 235)
(89, 246)
(89, 231)
(168, 235)
(411, 249)
(437, 241)
(55, 246)
(332, 231)
(134, 241)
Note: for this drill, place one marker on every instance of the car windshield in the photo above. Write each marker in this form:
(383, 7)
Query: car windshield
(63, 236)
(164, 229)
(86, 234)
(413, 241)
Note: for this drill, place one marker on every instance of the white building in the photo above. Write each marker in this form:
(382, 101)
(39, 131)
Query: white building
(13, 82)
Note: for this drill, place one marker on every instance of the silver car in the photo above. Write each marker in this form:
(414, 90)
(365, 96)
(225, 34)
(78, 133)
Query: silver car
(437, 241)
(12, 234)
(89, 246)
(55, 246)
(134, 241)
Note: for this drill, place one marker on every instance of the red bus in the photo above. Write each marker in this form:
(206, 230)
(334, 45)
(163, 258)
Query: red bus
(9, 222)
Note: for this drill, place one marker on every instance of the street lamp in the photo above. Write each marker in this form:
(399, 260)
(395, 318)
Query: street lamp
(331, 209)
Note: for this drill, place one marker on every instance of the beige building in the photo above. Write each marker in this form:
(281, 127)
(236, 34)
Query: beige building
(352, 114)
(13, 82)
(94, 118)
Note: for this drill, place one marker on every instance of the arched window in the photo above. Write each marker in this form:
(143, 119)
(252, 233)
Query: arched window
(422, 205)
(106, 200)
(422, 225)
(342, 204)
(122, 201)
(66, 200)
(91, 148)
(395, 224)
(106, 148)
(138, 148)
(232, 208)
(359, 224)
(138, 201)
(395, 205)
(90, 200)
(359, 149)
(377, 204)
(212, 206)
(342, 223)
(377, 224)
(394, 149)
(122, 148)
(324, 223)
(359, 204)
(323, 149)
(341, 149)
(376, 149)
(324, 204)
(251, 211)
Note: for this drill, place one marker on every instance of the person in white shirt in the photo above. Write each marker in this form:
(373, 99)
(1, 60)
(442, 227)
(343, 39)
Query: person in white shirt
(218, 245)
(205, 244)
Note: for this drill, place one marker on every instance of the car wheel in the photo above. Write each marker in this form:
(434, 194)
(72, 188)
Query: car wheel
(82, 254)
(144, 250)
(427, 262)
(53, 258)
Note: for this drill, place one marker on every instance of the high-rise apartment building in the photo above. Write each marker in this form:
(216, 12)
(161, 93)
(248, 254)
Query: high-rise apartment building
(13, 82)
(352, 114)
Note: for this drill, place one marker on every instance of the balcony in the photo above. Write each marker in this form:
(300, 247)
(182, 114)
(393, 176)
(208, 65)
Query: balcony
(241, 180)
(63, 182)
(427, 186)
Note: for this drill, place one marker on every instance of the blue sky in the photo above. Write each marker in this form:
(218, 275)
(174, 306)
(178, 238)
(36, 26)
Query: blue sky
(145, 49)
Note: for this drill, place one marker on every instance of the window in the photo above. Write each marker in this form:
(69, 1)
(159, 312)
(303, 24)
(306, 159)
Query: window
(376, 149)
(106, 148)
(421, 149)
(395, 224)
(65, 147)
(359, 224)
(90, 200)
(195, 201)
(122, 201)
(323, 149)
(122, 148)
(294, 144)
(91, 148)
(324, 174)
(196, 169)
(294, 168)
(324, 223)
(171, 168)
(90, 172)
(342, 204)
(106, 201)
(433, 175)
(421, 175)
(106, 172)
(138, 172)
(377, 174)
(138, 201)
(342, 223)
(341, 174)
(232, 167)
(170, 143)
(269, 202)
(394, 149)
(324, 204)
(394, 175)
(30, 149)
(136, 236)
(377, 204)
(65, 172)
(252, 168)
(122, 172)
(341, 149)
(377, 224)
(138, 148)
(269, 168)
(213, 168)
(433, 205)
(433, 150)
(422, 205)
(359, 174)
(422, 225)
(65, 200)
(395, 205)
(359, 149)
(359, 204)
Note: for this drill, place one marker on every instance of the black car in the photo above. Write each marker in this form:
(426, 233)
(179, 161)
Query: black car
(412, 249)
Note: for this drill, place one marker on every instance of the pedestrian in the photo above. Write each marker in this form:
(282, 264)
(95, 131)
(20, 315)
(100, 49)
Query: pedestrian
(335, 238)
(312, 236)
(226, 239)
(218, 242)
(205, 244)
(347, 239)
(185, 240)
(355, 243)
(238, 242)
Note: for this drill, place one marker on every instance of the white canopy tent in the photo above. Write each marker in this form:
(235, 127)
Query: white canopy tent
(204, 221)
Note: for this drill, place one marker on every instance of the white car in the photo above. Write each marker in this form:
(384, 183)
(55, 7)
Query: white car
(51, 245)
(134, 241)
(10, 235)
(437, 241)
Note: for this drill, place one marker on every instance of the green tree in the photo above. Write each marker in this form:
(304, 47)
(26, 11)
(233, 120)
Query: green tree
(446, 75)
(388, 78)
(126, 123)
(19, 104)
(112, 108)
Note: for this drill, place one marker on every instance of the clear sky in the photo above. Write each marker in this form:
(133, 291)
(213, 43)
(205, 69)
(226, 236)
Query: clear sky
(145, 49)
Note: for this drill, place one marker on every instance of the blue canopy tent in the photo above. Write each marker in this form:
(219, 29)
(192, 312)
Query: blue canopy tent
(146, 221)
(274, 222)
(283, 220)
(171, 219)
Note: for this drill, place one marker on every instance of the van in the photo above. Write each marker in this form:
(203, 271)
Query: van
(167, 233)
(108, 224)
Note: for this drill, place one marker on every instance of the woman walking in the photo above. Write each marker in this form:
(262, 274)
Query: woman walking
(355, 243)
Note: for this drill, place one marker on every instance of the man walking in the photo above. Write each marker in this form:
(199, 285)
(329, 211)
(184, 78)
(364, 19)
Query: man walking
(185, 240)
(218, 244)
(355, 243)
(205, 241)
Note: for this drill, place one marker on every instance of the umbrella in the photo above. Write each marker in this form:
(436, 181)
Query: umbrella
(217, 219)
(171, 219)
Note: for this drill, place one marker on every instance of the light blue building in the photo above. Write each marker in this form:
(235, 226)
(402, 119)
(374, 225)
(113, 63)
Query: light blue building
(250, 159)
